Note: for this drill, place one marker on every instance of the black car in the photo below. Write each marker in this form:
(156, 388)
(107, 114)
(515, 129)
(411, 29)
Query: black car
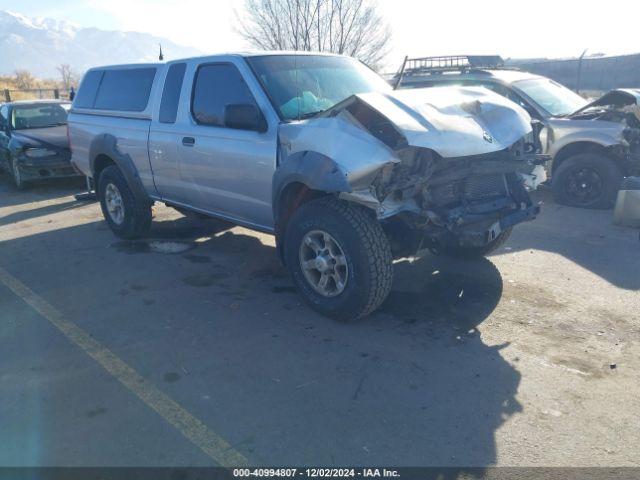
(33, 141)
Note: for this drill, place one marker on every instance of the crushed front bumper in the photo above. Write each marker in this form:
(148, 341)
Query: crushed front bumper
(46, 167)
(481, 208)
(481, 237)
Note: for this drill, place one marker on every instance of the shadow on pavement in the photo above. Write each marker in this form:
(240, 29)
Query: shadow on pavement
(38, 212)
(586, 237)
(38, 191)
(437, 287)
(413, 384)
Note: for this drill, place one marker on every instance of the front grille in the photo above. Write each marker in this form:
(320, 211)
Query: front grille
(472, 189)
(484, 187)
(64, 153)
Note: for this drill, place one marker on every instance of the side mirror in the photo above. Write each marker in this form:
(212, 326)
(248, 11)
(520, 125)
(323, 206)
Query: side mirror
(244, 117)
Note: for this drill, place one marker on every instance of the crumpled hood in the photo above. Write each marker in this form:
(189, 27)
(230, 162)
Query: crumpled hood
(618, 98)
(452, 121)
(55, 137)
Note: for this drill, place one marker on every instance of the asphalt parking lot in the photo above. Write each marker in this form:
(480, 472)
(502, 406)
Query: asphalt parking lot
(191, 348)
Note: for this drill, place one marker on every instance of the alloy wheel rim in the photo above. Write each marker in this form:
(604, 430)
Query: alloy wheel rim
(323, 263)
(114, 203)
(584, 186)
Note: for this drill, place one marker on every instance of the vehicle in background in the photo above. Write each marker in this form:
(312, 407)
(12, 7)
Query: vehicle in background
(33, 141)
(593, 146)
(314, 149)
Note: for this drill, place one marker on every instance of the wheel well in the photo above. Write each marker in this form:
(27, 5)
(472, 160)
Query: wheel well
(100, 163)
(292, 197)
(575, 148)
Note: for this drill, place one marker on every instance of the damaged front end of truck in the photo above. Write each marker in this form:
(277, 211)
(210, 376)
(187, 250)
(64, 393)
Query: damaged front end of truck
(440, 167)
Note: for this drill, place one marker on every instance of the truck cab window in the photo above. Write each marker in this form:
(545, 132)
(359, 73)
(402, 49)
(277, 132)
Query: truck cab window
(217, 86)
(171, 93)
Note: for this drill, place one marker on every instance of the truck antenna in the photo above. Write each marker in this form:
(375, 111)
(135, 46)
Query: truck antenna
(161, 56)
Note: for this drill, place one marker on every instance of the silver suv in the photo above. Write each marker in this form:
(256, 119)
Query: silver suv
(315, 149)
(593, 145)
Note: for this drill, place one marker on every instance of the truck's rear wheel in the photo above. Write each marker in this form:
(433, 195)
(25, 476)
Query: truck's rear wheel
(126, 216)
(587, 180)
(339, 258)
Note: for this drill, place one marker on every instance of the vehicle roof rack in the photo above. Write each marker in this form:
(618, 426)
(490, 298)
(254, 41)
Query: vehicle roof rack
(453, 62)
(448, 63)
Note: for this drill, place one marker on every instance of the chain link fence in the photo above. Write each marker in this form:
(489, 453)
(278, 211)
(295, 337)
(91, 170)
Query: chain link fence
(34, 94)
(589, 74)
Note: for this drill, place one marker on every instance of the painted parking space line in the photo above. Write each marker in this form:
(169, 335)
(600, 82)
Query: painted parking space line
(193, 429)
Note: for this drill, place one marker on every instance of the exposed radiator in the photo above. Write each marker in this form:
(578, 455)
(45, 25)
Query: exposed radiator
(471, 189)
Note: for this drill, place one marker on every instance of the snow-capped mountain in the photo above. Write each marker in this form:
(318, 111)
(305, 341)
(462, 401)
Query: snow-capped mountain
(41, 45)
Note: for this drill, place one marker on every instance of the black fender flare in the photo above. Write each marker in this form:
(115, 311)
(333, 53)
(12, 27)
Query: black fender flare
(107, 145)
(311, 169)
(316, 171)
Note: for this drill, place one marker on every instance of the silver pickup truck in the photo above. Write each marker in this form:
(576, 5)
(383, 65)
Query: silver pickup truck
(315, 149)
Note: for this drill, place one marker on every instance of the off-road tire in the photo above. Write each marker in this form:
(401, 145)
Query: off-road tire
(473, 253)
(603, 166)
(365, 246)
(18, 181)
(137, 214)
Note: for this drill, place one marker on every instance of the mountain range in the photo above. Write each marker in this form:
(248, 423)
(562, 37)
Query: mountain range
(41, 45)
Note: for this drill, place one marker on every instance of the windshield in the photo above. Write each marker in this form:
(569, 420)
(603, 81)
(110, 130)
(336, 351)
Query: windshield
(551, 96)
(39, 116)
(301, 85)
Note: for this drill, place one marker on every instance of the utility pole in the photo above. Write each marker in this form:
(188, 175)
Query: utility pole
(579, 79)
(401, 73)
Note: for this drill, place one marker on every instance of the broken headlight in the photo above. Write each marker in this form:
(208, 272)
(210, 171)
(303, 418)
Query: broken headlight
(631, 135)
(523, 146)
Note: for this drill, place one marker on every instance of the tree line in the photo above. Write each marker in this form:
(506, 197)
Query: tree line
(24, 80)
(349, 27)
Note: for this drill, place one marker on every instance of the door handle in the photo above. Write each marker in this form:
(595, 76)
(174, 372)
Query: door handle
(188, 141)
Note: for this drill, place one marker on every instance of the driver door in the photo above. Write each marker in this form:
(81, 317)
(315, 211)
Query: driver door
(230, 170)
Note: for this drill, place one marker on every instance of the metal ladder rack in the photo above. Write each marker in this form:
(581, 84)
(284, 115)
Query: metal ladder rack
(447, 63)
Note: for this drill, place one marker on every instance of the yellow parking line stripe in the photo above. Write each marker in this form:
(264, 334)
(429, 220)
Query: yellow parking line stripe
(192, 428)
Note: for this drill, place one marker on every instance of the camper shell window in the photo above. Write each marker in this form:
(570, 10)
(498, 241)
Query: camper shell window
(86, 95)
(124, 90)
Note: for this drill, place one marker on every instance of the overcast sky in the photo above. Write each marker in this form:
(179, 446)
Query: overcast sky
(532, 28)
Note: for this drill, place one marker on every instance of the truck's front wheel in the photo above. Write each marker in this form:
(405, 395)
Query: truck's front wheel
(339, 258)
(126, 216)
